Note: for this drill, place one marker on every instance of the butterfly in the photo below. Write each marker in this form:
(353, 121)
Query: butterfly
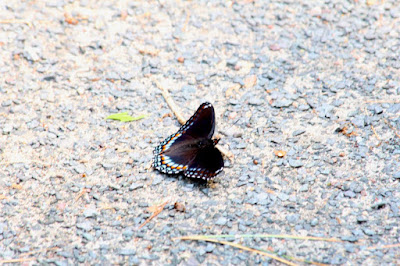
(191, 150)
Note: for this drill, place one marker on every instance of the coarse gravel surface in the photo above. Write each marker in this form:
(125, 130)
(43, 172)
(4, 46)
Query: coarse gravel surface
(307, 98)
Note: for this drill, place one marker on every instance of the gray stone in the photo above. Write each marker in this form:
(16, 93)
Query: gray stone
(368, 231)
(295, 163)
(87, 236)
(85, 226)
(90, 213)
(79, 169)
(33, 124)
(107, 166)
(283, 196)
(349, 194)
(7, 128)
(127, 234)
(255, 101)
(303, 188)
(135, 186)
(298, 132)
(221, 221)
(293, 218)
(210, 247)
(157, 180)
(127, 252)
(282, 103)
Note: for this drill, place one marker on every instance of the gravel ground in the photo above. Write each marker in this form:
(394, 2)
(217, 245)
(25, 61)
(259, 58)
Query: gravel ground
(319, 80)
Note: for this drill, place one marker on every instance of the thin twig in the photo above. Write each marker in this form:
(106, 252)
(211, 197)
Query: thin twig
(241, 247)
(85, 190)
(384, 247)
(39, 250)
(373, 130)
(186, 21)
(16, 260)
(108, 207)
(15, 21)
(211, 238)
(376, 135)
(182, 120)
(382, 101)
(157, 212)
(395, 132)
(27, 162)
(170, 102)
(263, 236)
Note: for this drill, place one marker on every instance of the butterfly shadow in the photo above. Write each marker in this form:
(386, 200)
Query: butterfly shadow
(191, 183)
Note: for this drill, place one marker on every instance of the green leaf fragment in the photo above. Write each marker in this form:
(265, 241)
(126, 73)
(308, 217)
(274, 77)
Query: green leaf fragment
(124, 117)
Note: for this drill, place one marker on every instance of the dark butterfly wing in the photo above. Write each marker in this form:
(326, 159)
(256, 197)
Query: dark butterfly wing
(175, 153)
(207, 164)
(202, 123)
(179, 150)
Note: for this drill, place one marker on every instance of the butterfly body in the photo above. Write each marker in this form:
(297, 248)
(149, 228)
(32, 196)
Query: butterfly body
(191, 150)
